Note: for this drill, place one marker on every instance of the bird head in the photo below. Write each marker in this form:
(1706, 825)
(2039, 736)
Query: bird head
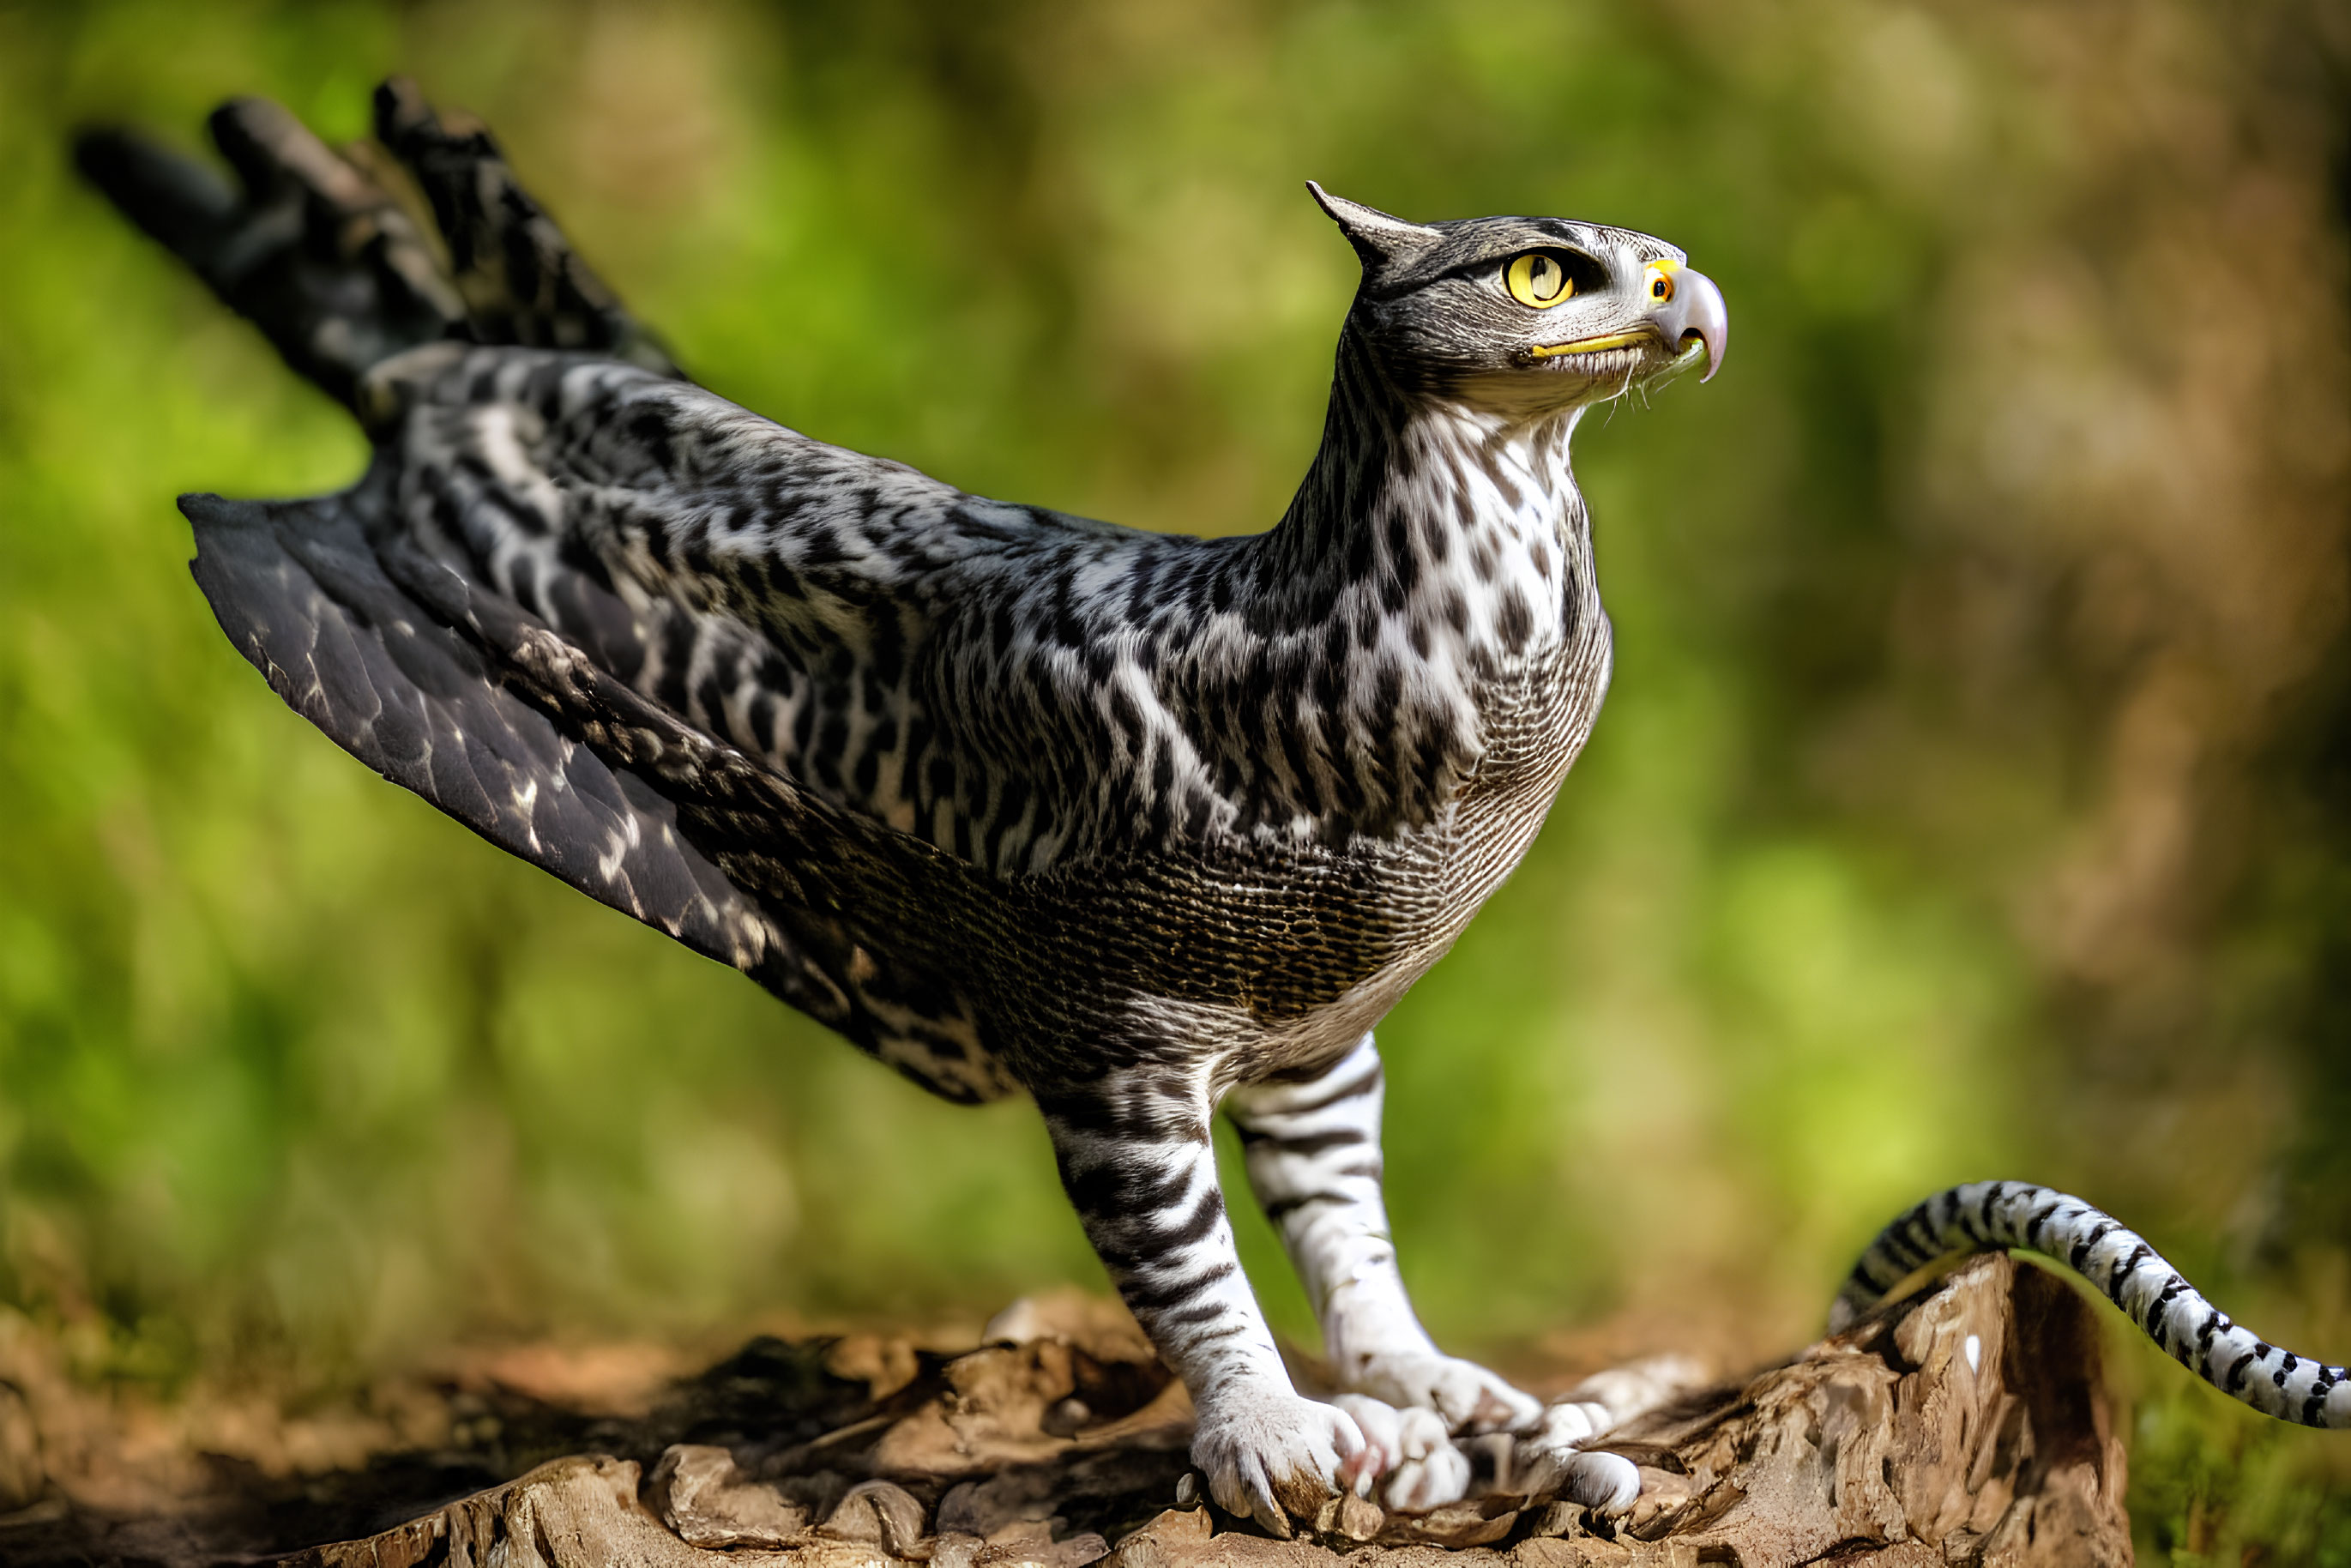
(1527, 314)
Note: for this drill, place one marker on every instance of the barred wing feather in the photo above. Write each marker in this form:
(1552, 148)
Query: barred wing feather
(469, 702)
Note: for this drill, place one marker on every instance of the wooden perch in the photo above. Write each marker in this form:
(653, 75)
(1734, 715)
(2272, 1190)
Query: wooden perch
(1966, 1425)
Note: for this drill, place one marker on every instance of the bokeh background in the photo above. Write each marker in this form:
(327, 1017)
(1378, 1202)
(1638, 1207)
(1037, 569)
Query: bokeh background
(1974, 796)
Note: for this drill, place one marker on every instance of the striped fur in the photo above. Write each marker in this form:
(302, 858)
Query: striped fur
(1140, 1168)
(2152, 1293)
(1313, 1151)
(1138, 824)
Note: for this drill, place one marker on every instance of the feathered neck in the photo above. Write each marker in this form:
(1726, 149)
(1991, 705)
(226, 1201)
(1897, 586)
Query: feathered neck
(1429, 510)
(1427, 599)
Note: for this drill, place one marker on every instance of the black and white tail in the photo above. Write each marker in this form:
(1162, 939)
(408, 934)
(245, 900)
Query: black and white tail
(1985, 1215)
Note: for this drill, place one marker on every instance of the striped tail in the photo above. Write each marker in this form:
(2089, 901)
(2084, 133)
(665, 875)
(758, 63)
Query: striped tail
(1986, 1214)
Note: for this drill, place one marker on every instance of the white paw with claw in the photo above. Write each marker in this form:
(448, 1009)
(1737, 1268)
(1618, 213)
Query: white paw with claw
(1604, 1483)
(1548, 1460)
(1470, 1398)
(1425, 1471)
(1272, 1455)
(1568, 1423)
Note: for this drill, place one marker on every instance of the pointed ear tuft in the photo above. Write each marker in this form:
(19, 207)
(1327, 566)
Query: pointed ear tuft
(1375, 236)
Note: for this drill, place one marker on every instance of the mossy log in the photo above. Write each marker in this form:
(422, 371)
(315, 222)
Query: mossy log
(1967, 1424)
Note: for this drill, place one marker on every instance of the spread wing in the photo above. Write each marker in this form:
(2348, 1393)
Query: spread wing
(470, 702)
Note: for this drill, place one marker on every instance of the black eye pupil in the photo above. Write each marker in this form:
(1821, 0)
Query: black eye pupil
(1536, 280)
(1657, 289)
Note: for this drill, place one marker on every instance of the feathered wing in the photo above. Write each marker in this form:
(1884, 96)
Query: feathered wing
(1024, 690)
(967, 671)
(471, 703)
(301, 593)
(450, 687)
(803, 709)
(320, 254)
(519, 278)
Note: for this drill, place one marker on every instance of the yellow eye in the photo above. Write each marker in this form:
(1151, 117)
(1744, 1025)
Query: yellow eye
(1661, 283)
(1537, 278)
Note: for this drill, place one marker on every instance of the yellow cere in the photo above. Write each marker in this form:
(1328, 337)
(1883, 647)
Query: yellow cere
(1537, 278)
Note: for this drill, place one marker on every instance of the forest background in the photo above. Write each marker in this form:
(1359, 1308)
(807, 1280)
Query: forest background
(1973, 797)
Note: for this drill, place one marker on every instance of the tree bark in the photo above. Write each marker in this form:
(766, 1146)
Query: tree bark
(1965, 1425)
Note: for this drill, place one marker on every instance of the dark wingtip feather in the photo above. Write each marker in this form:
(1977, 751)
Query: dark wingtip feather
(402, 114)
(204, 506)
(176, 201)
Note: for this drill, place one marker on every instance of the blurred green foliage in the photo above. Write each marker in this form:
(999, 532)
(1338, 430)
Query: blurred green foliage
(1970, 800)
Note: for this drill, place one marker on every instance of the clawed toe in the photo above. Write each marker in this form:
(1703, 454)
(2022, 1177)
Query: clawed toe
(1276, 1460)
(1605, 1483)
(1429, 1480)
(1415, 1452)
(1568, 1423)
(1277, 1457)
(1548, 1460)
(1382, 1425)
(1471, 1400)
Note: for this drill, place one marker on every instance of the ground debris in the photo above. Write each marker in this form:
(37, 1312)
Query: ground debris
(1966, 1425)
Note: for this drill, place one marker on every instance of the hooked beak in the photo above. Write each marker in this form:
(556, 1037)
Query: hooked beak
(1684, 305)
(1690, 307)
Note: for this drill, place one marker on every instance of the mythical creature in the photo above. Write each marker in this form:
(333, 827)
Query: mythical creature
(1143, 826)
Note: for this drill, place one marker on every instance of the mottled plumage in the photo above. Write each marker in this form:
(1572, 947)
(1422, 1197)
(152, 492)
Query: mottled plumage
(1139, 824)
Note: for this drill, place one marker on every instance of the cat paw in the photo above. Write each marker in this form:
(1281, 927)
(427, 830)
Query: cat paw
(1415, 1451)
(1470, 1398)
(1547, 1460)
(1604, 1483)
(1275, 1456)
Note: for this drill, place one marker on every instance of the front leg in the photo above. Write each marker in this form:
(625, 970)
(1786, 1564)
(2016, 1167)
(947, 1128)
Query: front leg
(1313, 1147)
(1135, 1157)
